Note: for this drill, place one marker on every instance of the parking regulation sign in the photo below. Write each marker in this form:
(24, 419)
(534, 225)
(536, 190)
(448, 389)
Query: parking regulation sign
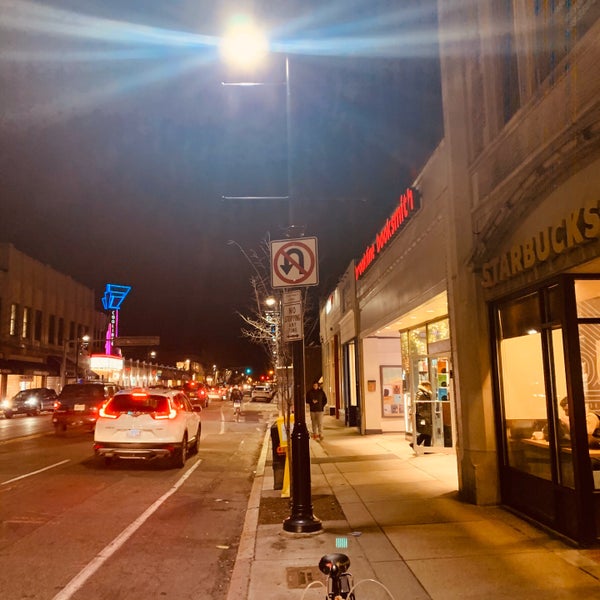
(294, 262)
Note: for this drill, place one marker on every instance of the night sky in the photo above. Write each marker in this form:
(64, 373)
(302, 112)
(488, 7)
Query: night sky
(118, 143)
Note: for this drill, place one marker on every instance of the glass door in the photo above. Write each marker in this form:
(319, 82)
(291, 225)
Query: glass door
(431, 414)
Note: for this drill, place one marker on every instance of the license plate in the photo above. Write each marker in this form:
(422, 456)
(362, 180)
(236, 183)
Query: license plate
(134, 433)
(79, 407)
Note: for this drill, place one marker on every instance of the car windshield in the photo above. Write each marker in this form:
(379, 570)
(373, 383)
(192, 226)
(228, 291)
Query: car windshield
(138, 403)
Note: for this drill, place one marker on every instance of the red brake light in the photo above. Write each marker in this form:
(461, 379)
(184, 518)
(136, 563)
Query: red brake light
(105, 411)
(170, 413)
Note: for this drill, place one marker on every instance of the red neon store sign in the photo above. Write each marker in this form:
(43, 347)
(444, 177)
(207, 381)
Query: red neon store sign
(408, 204)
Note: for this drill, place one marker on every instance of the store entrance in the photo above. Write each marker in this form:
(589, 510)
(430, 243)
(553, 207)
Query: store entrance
(431, 413)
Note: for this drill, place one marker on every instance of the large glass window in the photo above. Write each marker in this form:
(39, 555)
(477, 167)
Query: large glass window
(532, 367)
(587, 295)
(417, 339)
(438, 330)
(523, 394)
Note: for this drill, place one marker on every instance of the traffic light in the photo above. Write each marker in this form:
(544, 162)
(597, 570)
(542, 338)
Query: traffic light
(248, 370)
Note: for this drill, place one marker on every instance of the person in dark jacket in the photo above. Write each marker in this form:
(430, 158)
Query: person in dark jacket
(316, 400)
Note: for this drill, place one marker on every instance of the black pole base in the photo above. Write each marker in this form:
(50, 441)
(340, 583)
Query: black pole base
(295, 524)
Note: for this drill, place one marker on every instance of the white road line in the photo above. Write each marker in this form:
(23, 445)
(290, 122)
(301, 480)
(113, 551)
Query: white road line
(62, 462)
(79, 580)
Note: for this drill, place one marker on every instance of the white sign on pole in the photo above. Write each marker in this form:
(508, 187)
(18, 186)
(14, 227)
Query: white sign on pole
(293, 322)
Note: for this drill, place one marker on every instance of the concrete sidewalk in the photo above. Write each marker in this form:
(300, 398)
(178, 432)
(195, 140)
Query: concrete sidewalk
(405, 527)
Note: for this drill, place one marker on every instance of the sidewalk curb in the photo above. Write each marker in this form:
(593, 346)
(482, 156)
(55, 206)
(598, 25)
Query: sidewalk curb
(240, 576)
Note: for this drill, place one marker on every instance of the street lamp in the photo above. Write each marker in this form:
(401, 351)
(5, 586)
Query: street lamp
(246, 45)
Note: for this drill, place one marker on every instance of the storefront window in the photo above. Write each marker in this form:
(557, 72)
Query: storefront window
(417, 341)
(523, 388)
(589, 340)
(561, 436)
(438, 330)
(587, 294)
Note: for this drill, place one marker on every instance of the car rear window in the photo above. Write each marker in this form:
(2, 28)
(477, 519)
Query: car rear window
(81, 393)
(125, 403)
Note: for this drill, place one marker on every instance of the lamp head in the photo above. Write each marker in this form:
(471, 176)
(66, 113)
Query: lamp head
(244, 44)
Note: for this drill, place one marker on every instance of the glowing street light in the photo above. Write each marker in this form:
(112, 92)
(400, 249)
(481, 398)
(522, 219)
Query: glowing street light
(244, 44)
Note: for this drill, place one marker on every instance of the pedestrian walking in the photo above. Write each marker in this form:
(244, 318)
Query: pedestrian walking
(316, 400)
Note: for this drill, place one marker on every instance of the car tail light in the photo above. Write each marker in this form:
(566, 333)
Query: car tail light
(56, 404)
(106, 411)
(170, 412)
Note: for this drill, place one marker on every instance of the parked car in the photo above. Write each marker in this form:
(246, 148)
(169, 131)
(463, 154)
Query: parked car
(262, 392)
(29, 402)
(78, 404)
(197, 392)
(148, 424)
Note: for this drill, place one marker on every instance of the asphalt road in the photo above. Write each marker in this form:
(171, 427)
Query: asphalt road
(75, 528)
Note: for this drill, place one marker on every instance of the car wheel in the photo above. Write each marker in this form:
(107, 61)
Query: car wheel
(60, 428)
(196, 446)
(8, 414)
(180, 456)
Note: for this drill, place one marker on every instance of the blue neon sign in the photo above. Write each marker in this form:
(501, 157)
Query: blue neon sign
(114, 295)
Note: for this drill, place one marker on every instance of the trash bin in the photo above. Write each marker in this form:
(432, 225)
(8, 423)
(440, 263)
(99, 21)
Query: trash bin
(279, 455)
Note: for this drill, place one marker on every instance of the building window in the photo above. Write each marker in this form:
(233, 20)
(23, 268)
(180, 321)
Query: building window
(37, 328)
(61, 332)
(508, 69)
(26, 326)
(555, 24)
(51, 329)
(14, 319)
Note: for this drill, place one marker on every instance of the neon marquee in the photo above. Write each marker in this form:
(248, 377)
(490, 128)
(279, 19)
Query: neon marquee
(408, 204)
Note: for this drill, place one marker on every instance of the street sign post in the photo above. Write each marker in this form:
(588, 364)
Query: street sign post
(294, 263)
(293, 317)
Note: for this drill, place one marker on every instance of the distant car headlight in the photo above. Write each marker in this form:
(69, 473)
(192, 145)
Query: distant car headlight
(6, 403)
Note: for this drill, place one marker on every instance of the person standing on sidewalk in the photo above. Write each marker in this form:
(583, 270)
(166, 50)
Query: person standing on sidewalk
(316, 400)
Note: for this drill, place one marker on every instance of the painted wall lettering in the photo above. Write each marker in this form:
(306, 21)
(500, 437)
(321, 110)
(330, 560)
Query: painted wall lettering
(577, 228)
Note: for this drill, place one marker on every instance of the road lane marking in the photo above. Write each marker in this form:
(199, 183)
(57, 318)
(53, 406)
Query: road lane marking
(80, 579)
(62, 462)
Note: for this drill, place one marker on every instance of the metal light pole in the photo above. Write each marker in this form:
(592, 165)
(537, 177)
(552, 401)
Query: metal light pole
(244, 41)
(63, 366)
(301, 519)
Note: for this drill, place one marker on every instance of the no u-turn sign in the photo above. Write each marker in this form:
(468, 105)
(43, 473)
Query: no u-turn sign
(294, 262)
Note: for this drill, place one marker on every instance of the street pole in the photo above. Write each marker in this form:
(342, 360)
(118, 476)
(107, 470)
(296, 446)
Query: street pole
(301, 519)
(63, 366)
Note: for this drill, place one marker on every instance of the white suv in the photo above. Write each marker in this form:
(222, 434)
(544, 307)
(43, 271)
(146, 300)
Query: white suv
(147, 424)
(262, 392)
